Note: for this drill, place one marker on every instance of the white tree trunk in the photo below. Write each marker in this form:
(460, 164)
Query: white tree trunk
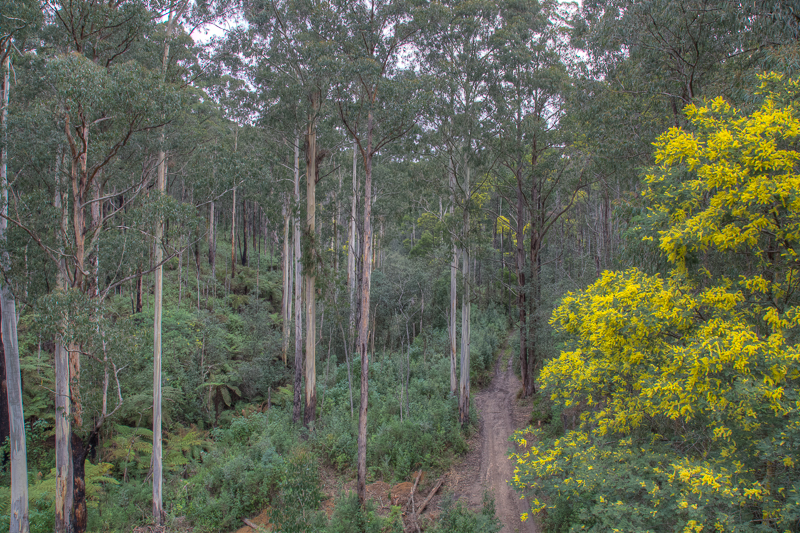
(19, 458)
(463, 398)
(287, 296)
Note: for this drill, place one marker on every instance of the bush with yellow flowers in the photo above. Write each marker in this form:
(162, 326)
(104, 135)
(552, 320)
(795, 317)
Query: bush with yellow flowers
(687, 383)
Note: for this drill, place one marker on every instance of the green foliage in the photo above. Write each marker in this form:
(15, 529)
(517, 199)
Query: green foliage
(41, 495)
(456, 518)
(489, 328)
(239, 475)
(422, 431)
(296, 509)
(350, 517)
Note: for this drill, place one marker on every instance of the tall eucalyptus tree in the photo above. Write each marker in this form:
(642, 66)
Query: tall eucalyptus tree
(16, 20)
(527, 94)
(291, 42)
(458, 55)
(102, 101)
(377, 104)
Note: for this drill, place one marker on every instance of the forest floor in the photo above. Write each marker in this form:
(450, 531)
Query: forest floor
(487, 467)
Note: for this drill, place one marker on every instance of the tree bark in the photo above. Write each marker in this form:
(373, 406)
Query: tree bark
(287, 293)
(310, 264)
(352, 248)
(158, 510)
(298, 290)
(463, 385)
(453, 289)
(212, 241)
(4, 411)
(363, 329)
(12, 381)
(161, 184)
(244, 233)
(63, 429)
(233, 234)
(521, 300)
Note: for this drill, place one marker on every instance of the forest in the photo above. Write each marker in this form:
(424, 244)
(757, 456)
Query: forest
(262, 258)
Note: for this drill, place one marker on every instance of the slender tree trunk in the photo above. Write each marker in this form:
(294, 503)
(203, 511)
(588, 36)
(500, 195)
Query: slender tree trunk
(233, 234)
(363, 329)
(463, 385)
(521, 300)
(453, 289)
(285, 307)
(18, 510)
(158, 510)
(349, 372)
(310, 269)
(63, 415)
(352, 248)
(4, 411)
(212, 241)
(161, 185)
(298, 290)
(244, 233)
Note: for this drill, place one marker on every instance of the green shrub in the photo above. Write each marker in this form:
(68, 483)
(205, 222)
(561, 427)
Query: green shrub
(456, 518)
(350, 517)
(239, 477)
(296, 509)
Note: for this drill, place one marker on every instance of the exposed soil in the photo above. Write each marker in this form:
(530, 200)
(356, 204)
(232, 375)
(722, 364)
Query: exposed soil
(487, 466)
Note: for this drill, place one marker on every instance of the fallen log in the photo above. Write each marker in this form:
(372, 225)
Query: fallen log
(430, 496)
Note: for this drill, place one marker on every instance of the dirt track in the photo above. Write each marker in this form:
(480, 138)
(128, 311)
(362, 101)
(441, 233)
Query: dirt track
(487, 466)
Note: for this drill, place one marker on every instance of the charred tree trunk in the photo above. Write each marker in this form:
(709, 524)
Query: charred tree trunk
(244, 233)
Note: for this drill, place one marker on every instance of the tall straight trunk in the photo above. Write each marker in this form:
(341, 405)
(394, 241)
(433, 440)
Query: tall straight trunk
(158, 510)
(352, 247)
(538, 230)
(453, 290)
(212, 241)
(310, 270)
(521, 299)
(4, 428)
(298, 290)
(336, 228)
(64, 479)
(161, 185)
(8, 316)
(463, 385)
(287, 260)
(63, 405)
(233, 234)
(363, 328)
(244, 233)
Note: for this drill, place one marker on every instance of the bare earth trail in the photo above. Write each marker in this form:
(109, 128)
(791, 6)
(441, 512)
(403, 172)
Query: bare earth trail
(487, 466)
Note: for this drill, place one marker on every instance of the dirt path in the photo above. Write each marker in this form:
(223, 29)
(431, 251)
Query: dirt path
(487, 466)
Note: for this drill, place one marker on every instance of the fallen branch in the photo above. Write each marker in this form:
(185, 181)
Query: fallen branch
(430, 496)
(414, 514)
